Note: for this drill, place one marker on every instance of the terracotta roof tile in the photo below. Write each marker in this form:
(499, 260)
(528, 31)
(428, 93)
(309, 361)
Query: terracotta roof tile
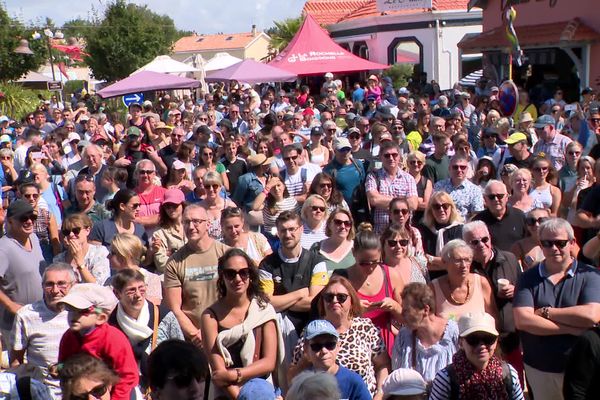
(370, 9)
(212, 42)
(327, 12)
(529, 35)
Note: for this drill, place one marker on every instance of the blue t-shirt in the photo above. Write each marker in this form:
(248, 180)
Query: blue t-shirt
(347, 177)
(351, 385)
(358, 95)
(580, 286)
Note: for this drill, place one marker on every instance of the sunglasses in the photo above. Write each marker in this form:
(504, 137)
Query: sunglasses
(438, 207)
(28, 217)
(484, 240)
(531, 221)
(372, 263)
(230, 274)
(290, 158)
(213, 187)
(415, 162)
(541, 169)
(595, 120)
(146, 171)
(548, 244)
(207, 154)
(325, 185)
(398, 211)
(135, 206)
(354, 137)
(339, 222)
(31, 196)
(316, 347)
(66, 232)
(96, 393)
(494, 196)
(475, 339)
(317, 208)
(459, 167)
(339, 297)
(489, 136)
(387, 156)
(400, 242)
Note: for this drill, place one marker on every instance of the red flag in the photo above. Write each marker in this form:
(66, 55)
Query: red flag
(63, 69)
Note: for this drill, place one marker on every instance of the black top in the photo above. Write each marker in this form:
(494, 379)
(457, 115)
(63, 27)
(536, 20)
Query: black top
(234, 170)
(506, 231)
(582, 372)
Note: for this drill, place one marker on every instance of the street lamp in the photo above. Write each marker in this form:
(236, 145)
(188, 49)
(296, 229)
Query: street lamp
(50, 35)
(23, 48)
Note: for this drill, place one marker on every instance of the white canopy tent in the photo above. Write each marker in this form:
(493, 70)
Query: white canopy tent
(166, 65)
(220, 61)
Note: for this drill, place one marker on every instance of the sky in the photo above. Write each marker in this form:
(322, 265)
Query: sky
(202, 16)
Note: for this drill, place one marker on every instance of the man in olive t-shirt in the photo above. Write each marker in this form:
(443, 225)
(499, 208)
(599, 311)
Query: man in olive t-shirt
(191, 273)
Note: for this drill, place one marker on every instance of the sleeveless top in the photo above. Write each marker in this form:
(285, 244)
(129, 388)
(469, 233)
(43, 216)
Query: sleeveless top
(317, 159)
(449, 310)
(381, 319)
(541, 197)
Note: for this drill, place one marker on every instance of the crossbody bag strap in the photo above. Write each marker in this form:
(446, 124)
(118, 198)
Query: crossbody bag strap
(155, 327)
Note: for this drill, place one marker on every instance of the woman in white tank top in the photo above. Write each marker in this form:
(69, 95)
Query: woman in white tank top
(543, 193)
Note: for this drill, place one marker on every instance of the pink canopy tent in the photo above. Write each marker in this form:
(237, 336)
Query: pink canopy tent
(147, 81)
(313, 52)
(251, 71)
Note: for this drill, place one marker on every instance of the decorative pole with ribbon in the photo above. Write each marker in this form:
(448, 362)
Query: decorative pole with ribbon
(510, 14)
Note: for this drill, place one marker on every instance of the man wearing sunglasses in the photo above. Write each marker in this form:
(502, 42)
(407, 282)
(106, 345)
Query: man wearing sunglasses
(554, 303)
(506, 223)
(321, 348)
(21, 261)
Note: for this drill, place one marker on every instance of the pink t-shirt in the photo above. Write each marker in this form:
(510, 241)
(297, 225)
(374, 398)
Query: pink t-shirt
(150, 202)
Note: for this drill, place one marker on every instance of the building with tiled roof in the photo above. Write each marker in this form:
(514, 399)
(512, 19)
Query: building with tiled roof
(252, 44)
(424, 35)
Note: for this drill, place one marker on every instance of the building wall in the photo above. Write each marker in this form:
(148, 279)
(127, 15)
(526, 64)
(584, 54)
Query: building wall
(207, 55)
(259, 49)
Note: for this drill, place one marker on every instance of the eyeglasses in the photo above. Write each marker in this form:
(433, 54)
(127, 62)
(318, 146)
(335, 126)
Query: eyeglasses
(532, 221)
(540, 169)
(146, 171)
(438, 207)
(207, 154)
(558, 243)
(31, 196)
(398, 211)
(96, 393)
(387, 156)
(595, 120)
(368, 263)
(475, 339)
(132, 291)
(194, 222)
(135, 206)
(317, 208)
(354, 137)
(316, 347)
(60, 284)
(28, 217)
(290, 158)
(339, 297)
(214, 187)
(494, 196)
(66, 232)
(415, 162)
(484, 240)
(325, 185)
(400, 242)
(230, 274)
(459, 167)
(340, 222)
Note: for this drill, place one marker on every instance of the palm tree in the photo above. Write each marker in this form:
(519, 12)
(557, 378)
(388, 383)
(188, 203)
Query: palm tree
(283, 32)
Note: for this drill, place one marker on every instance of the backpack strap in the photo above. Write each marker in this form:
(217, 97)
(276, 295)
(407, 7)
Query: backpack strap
(24, 388)
(507, 379)
(303, 175)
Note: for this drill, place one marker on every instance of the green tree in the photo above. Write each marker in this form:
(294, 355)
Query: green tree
(128, 37)
(77, 28)
(13, 66)
(283, 32)
(400, 74)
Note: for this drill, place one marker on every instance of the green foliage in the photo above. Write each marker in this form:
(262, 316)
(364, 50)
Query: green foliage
(16, 101)
(128, 37)
(283, 32)
(400, 74)
(13, 66)
(77, 28)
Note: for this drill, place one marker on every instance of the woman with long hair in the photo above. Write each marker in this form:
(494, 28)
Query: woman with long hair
(442, 223)
(323, 184)
(113, 180)
(89, 261)
(187, 155)
(584, 179)
(314, 215)
(236, 235)
(240, 332)
(361, 348)
(124, 206)
(337, 247)
(423, 123)
(127, 252)
(170, 236)
(485, 171)
(209, 161)
(214, 203)
(416, 162)
(277, 201)
(520, 184)
(542, 191)
(395, 244)
(378, 286)
(400, 214)
(317, 153)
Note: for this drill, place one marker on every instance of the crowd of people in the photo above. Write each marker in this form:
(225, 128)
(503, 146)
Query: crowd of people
(368, 243)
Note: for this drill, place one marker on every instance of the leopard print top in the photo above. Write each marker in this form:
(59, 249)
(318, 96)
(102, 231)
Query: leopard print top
(359, 345)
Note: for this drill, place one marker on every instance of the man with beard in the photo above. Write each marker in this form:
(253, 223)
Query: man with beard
(39, 326)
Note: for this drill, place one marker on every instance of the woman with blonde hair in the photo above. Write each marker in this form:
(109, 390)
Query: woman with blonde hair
(314, 216)
(520, 184)
(127, 251)
(395, 241)
(441, 223)
(337, 247)
(584, 179)
(542, 191)
(214, 203)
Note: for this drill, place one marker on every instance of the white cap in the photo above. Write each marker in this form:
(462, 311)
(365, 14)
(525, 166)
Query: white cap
(86, 295)
(342, 143)
(403, 90)
(404, 382)
(246, 86)
(329, 75)
(476, 322)
(73, 136)
(177, 164)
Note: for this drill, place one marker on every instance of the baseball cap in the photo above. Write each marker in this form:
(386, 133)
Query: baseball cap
(587, 90)
(177, 164)
(138, 105)
(494, 89)
(308, 111)
(476, 322)
(73, 136)
(147, 103)
(317, 130)
(19, 208)
(543, 121)
(86, 295)
(5, 139)
(350, 116)
(403, 90)
(319, 327)
(4, 118)
(84, 118)
(329, 75)
(257, 389)
(404, 382)
(174, 196)
(246, 86)
(342, 143)
(133, 131)
(385, 136)
(516, 138)
(371, 97)
(288, 117)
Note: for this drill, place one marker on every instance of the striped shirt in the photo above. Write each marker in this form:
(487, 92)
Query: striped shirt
(440, 389)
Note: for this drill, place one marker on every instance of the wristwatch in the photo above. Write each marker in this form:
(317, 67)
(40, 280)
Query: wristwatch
(546, 312)
(239, 376)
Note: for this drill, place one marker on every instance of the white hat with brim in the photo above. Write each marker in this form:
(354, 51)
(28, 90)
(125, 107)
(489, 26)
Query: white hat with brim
(404, 382)
(476, 322)
(86, 295)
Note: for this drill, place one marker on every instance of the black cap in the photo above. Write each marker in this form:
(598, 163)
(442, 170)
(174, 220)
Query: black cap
(18, 208)
(587, 90)
(317, 130)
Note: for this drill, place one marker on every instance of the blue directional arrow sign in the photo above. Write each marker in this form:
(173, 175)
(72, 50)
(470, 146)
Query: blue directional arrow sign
(133, 98)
